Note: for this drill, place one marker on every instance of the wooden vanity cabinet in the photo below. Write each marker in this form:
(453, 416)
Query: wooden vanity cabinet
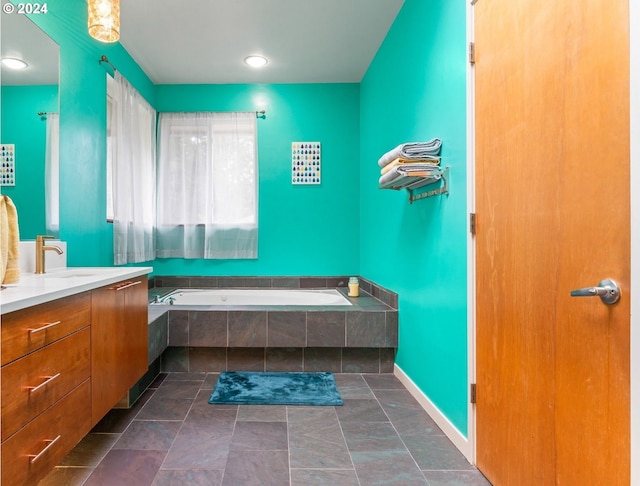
(119, 343)
(46, 386)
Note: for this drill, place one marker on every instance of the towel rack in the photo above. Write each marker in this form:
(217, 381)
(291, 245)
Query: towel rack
(444, 189)
(418, 180)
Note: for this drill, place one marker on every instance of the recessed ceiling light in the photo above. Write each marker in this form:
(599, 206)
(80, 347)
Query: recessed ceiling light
(13, 63)
(255, 61)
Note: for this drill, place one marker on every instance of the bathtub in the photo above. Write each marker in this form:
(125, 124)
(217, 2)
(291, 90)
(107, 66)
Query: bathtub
(254, 297)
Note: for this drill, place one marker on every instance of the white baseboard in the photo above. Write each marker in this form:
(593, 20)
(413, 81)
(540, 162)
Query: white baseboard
(459, 440)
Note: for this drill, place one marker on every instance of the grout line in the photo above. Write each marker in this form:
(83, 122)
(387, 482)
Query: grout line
(355, 471)
(286, 417)
(396, 430)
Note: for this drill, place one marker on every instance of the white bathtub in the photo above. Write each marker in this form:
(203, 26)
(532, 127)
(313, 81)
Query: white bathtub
(254, 297)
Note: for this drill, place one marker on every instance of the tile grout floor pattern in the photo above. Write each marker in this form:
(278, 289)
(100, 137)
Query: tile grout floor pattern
(172, 436)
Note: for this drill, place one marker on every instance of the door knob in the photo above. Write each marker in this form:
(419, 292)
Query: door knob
(607, 290)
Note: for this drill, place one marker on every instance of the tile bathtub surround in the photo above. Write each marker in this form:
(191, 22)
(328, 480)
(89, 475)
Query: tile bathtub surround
(361, 339)
(338, 360)
(368, 328)
(367, 286)
(173, 436)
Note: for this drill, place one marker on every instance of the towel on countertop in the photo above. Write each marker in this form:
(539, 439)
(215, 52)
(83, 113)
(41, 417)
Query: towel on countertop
(402, 175)
(412, 150)
(9, 242)
(401, 161)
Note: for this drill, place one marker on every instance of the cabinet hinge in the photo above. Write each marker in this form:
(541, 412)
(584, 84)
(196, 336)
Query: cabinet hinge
(472, 393)
(472, 53)
(472, 223)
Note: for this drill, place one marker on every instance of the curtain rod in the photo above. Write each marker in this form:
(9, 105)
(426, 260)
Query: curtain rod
(104, 58)
(45, 113)
(259, 114)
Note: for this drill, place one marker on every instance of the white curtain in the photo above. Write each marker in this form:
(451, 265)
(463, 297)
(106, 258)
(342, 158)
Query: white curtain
(132, 127)
(52, 175)
(207, 190)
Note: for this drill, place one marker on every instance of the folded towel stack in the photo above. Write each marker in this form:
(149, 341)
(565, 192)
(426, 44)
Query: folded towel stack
(400, 161)
(410, 175)
(412, 151)
(9, 242)
(411, 165)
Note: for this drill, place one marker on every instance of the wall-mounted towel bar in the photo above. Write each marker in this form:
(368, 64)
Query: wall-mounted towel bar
(416, 180)
(444, 189)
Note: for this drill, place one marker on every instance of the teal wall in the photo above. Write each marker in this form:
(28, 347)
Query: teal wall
(83, 129)
(22, 126)
(414, 90)
(303, 230)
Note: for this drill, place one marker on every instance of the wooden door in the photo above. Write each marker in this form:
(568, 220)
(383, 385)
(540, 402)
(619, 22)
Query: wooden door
(553, 215)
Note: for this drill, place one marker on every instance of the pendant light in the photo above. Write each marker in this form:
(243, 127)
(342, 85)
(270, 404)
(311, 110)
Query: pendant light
(104, 20)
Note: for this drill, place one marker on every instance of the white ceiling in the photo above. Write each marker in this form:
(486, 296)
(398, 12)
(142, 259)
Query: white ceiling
(205, 41)
(21, 38)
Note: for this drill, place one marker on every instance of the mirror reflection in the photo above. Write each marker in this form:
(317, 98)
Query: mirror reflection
(29, 124)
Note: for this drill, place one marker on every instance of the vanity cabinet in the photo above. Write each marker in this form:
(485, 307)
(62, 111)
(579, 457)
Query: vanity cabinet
(46, 386)
(119, 344)
(65, 362)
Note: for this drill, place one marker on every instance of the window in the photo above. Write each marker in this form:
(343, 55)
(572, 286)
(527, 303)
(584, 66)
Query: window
(207, 186)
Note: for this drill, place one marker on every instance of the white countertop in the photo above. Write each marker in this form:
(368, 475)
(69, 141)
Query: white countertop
(62, 282)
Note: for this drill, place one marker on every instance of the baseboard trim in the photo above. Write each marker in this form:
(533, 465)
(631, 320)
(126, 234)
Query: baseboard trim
(459, 440)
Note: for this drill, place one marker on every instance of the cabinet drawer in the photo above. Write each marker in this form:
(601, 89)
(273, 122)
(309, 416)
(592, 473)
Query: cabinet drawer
(29, 329)
(32, 384)
(30, 454)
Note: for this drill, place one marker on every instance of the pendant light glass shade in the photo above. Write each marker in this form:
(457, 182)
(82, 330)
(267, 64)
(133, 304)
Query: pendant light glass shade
(104, 20)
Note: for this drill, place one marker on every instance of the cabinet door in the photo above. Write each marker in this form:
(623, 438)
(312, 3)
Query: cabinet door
(29, 454)
(136, 330)
(118, 342)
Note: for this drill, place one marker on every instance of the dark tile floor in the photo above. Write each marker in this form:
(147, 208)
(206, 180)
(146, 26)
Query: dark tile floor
(172, 436)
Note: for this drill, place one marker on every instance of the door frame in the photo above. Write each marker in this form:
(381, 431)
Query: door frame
(634, 295)
(471, 246)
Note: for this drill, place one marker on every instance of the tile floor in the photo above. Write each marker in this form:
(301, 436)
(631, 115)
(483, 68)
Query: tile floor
(172, 436)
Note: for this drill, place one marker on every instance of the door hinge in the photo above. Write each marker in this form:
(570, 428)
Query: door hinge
(472, 223)
(472, 393)
(472, 53)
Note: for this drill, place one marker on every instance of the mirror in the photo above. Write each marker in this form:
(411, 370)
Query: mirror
(29, 140)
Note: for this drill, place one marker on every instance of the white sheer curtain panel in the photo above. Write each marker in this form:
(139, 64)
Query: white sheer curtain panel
(133, 148)
(52, 175)
(207, 190)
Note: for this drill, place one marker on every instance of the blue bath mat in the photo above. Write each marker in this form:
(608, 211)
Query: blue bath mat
(275, 388)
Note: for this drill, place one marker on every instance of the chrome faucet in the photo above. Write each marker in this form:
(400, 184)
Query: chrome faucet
(40, 249)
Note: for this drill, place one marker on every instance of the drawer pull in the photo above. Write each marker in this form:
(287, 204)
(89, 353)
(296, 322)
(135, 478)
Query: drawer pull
(46, 326)
(126, 285)
(48, 380)
(35, 457)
